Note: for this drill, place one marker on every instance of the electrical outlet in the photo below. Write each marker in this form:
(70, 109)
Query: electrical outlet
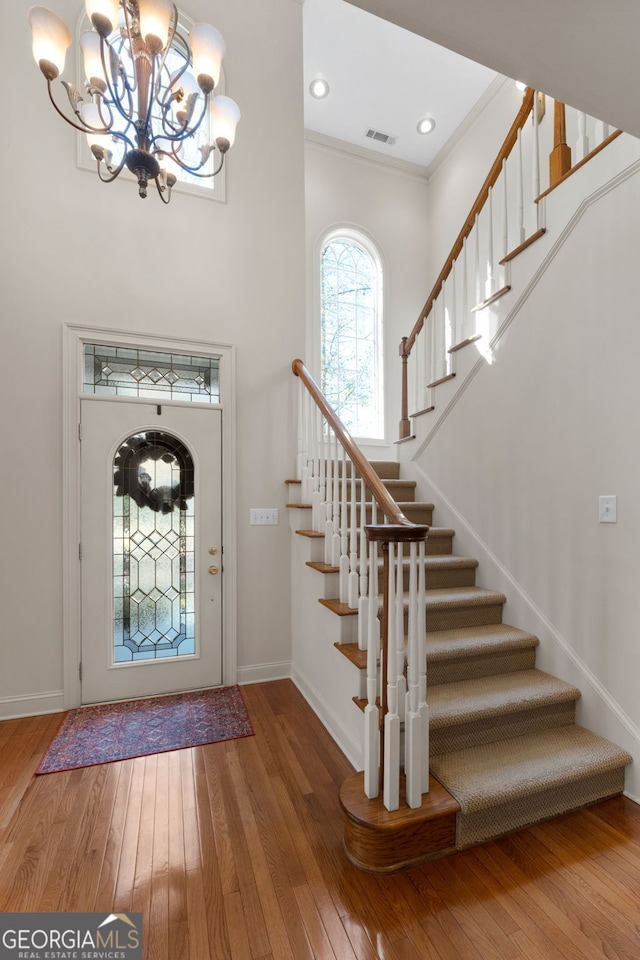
(608, 509)
(263, 516)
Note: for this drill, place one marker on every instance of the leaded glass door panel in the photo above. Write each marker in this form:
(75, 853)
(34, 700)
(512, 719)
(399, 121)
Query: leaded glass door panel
(151, 513)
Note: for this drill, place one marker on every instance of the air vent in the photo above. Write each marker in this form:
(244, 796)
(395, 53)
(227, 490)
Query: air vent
(380, 137)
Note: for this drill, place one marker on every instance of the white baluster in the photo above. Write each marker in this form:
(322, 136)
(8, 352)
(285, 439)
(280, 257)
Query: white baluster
(582, 143)
(427, 343)
(335, 540)
(602, 131)
(454, 322)
(416, 721)
(520, 191)
(489, 280)
(353, 543)
(344, 531)
(505, 221)
(423, 708)
(400, 647)
(479, 297)
(363, 564)
(363, 602)
(391, 789)
(417, 354)
(536, 148)
(331, 480)
(413, 722)
(465, 293)
(371, 714)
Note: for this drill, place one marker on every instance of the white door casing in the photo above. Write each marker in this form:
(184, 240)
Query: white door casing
(74, 337)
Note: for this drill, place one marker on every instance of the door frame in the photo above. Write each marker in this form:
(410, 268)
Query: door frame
(74, 338)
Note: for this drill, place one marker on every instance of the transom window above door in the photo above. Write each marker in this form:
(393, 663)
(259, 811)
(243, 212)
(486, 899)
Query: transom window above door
(155, 375)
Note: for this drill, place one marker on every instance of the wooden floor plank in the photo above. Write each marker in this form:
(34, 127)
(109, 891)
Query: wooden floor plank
(233, 851)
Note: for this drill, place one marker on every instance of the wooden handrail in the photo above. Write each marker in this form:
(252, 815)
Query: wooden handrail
(374, 484)
(508, 145)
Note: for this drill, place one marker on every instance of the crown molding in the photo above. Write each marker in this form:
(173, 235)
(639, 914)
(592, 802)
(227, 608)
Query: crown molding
(350, 151)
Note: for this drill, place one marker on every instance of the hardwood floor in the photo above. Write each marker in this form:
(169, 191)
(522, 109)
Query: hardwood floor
(233, 852)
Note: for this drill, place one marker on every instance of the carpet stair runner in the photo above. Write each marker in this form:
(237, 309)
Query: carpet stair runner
(503, 737)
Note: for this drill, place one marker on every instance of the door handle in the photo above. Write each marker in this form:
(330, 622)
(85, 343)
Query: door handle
(213, 569)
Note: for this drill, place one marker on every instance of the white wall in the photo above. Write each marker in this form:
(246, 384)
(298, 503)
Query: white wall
(389, 204)
(517, 454)
(77, 251)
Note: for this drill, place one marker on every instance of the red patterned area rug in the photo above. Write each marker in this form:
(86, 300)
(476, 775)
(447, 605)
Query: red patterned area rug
(136, 728)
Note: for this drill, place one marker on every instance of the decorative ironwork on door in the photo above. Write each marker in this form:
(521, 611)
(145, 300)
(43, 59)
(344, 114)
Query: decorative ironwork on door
(153, 548)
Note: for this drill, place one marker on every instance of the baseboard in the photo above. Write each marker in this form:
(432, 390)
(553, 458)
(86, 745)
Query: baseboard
(31, 705)
(263, 672)
(351, 749)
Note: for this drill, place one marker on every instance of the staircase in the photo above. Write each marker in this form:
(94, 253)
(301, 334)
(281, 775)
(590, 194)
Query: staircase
(504, 743)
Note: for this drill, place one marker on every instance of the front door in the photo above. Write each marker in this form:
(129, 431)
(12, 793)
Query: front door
(151, 565)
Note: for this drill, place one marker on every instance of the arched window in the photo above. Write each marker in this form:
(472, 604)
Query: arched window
(351, 332)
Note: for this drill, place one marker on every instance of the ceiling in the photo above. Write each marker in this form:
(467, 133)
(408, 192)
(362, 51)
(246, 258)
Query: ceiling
(384, 78)
(583, 52)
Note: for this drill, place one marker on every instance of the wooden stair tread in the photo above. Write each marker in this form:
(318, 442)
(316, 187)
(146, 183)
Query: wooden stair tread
(298, 506)
(466, 701)
(465, 641)
(312, 534)
(353, 653)
(322, 567)
(495, 772)
(342, 609)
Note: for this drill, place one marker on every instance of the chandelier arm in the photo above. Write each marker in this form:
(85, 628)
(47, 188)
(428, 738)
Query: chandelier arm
(114, 96)
(172, 35)
(161, 191)
(183, 133)
(194, 170)
(83, 129)
(114, 174)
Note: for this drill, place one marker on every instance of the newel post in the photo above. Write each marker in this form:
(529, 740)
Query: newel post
(560, 156)
(405, 423)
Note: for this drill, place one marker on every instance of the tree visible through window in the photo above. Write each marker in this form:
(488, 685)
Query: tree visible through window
(351, 281)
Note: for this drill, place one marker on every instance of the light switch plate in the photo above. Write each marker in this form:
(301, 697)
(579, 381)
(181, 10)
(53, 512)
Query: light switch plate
(608, 509)
(263, 516)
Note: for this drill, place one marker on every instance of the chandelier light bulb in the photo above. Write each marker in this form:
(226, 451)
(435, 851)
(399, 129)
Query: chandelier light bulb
(93, 69)
(155, 17)
(51, 38)
(103, 14)
(225, 115)
(319, 88)
(207, 49)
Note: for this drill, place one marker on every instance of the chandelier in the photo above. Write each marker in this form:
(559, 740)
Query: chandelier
(150, 103)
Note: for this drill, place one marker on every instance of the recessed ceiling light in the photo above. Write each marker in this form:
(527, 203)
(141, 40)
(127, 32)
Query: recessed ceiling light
(319, 88)
(426, 125)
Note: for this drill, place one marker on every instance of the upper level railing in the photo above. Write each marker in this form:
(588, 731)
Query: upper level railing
(506, 217)
(361, 521)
